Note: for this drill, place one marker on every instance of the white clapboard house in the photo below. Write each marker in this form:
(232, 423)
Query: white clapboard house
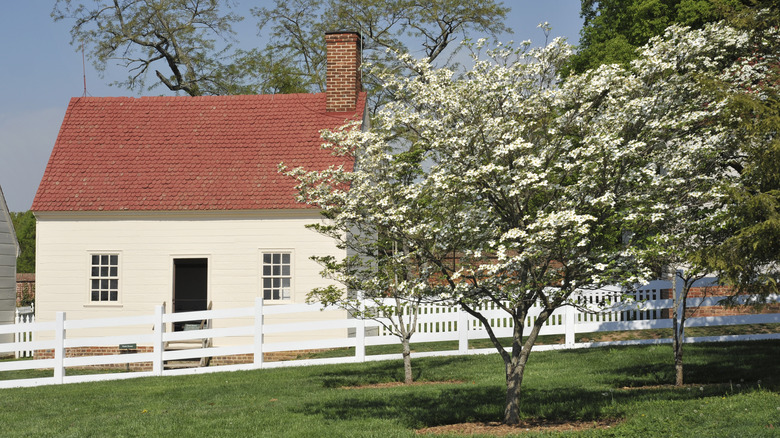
(178, 200)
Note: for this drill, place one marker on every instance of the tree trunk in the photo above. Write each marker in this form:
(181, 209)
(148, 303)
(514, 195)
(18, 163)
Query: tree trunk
(678, 326)
(514, 380)
(677, 345)
(514, 361)
(407, 354)
(515, 366)
(678, 362)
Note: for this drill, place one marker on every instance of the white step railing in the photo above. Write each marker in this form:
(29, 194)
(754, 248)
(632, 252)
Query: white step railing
(23, 336)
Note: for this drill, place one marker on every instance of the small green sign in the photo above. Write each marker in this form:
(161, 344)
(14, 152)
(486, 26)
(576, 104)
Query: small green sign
(127, 347)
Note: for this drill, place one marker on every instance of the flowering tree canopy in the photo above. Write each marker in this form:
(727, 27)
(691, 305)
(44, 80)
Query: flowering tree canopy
(511, 186)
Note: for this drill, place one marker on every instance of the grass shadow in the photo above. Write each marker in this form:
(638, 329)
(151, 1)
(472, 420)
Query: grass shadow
(371, 374)
(703, 364)
(418, 406)
(428, 369)
(448, 401)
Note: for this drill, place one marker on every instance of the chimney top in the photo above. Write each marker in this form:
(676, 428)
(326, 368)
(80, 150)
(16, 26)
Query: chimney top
(339, 32)
(343, 79)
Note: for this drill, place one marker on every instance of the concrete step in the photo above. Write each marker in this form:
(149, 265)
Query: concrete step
(181, 364)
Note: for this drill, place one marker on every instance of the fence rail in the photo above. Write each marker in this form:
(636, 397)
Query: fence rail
(605, 310)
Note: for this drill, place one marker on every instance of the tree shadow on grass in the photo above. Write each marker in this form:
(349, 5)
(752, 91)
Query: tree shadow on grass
(415, 406)
(370, 374)
(457, 400)
(733, 363)
(419, 406)
(743, 363)
(430, 369)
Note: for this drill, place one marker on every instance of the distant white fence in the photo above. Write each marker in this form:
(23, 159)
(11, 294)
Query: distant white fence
(435, 323)
(601, 310)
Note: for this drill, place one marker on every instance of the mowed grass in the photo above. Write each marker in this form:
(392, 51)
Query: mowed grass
(732, 391)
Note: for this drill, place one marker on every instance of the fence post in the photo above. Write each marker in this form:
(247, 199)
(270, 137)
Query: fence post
(158, 348)
(463, 331)
(360, 334)
(59, 347)
(258, 354)
(17, 334)
(569, 319)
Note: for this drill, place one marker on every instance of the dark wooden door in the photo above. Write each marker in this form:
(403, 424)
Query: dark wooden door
(190, 287)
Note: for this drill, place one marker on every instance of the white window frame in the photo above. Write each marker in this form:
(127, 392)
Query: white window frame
(272, 279)
(107, 273)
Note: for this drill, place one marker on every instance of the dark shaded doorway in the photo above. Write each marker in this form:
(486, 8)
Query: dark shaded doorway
(190, 287)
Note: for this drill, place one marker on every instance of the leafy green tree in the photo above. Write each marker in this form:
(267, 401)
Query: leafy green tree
(186, 46)
(296, 28)
(614, 29)
(748, 259)
(24, 224)
(142, 35)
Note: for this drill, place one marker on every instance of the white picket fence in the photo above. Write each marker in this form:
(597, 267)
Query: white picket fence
(437, 322)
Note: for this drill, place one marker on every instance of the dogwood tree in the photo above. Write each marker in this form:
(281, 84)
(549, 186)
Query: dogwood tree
(375, 213)
(506, 205)
(704, 163)
(528, 189)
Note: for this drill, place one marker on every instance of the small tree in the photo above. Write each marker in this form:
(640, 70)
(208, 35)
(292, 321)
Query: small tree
(502, 206)
(373, 212)
(705, 162)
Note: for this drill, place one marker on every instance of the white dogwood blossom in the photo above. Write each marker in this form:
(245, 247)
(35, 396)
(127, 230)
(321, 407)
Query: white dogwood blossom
(507, 184)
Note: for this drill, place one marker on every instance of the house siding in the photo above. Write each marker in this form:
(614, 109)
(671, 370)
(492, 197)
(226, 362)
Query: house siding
(8, 253)
(148, 243)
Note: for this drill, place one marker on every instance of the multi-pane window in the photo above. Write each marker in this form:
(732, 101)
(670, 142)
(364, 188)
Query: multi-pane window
(276, 276)
(104, 278)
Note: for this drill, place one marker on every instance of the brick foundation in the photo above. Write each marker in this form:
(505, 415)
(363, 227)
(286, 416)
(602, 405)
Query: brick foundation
(147, 366)
(101, 351)
(276, 356)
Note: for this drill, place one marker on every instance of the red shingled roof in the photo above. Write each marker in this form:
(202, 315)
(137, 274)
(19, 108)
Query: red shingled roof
(185, 153)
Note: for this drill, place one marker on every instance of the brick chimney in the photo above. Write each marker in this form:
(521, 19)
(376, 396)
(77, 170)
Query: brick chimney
(342, 82)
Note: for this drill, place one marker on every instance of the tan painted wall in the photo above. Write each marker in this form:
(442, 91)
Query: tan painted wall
(148, 244)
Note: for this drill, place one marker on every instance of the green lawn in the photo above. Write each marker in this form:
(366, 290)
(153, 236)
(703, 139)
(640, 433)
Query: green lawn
(733, 392)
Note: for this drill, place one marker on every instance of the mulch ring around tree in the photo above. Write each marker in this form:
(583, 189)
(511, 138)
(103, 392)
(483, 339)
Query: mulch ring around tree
(500, 429)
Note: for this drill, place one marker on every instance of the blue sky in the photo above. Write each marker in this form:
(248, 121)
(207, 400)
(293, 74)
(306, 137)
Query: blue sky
(40, 71)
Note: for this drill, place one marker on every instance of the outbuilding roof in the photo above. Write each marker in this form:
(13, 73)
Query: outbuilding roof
(186, 153)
